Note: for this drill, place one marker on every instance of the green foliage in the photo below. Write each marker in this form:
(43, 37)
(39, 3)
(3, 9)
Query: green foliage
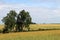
(9, 20)
(23, 19)
(28, 20)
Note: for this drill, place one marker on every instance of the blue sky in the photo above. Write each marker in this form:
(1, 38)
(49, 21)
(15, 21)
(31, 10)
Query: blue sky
(41, 11)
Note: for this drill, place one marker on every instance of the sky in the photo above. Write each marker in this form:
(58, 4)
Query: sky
(41, 11)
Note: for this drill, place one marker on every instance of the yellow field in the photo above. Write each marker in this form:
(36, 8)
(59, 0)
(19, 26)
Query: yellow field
(1, 27)
(36, 35)
(42, 26)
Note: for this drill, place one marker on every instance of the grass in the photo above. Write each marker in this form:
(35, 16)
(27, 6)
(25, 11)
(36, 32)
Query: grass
(36, 35)
(44, 26)
(41, 26)
(1, 27)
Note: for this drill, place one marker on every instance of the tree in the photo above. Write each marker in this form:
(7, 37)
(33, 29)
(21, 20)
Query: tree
(6, 22)
(27, 20)
(9, 21)
(23, 19)
(12, 15)
(20, 20)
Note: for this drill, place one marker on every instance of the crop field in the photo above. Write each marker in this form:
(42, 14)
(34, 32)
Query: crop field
(1, 27)
(34, 35)
(38, 35)
(44, 26)
(40, 26)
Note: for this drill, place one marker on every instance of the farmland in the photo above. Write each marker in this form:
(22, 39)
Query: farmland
(35, 35)
(44, 26)
(41, 26)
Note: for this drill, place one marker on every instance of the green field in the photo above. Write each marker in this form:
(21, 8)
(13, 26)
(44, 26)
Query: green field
(36, 35)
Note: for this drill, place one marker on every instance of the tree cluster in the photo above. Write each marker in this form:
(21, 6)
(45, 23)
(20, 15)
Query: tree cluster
(14, 21)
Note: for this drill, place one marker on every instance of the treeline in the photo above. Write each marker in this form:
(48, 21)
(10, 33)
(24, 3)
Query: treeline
(14, 21)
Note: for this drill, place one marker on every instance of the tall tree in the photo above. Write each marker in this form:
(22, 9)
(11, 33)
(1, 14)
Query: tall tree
(28, 20)
(23, 19)
(20, 20)
(9, 20)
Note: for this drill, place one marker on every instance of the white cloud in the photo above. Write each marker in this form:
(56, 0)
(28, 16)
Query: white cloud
(39, 14)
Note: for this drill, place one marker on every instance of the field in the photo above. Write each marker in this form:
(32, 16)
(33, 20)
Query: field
(44, 26)
(36, 35)
(40, 26)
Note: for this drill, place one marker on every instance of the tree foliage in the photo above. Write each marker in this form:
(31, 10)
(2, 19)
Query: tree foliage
(9, 21)
(23, 20)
